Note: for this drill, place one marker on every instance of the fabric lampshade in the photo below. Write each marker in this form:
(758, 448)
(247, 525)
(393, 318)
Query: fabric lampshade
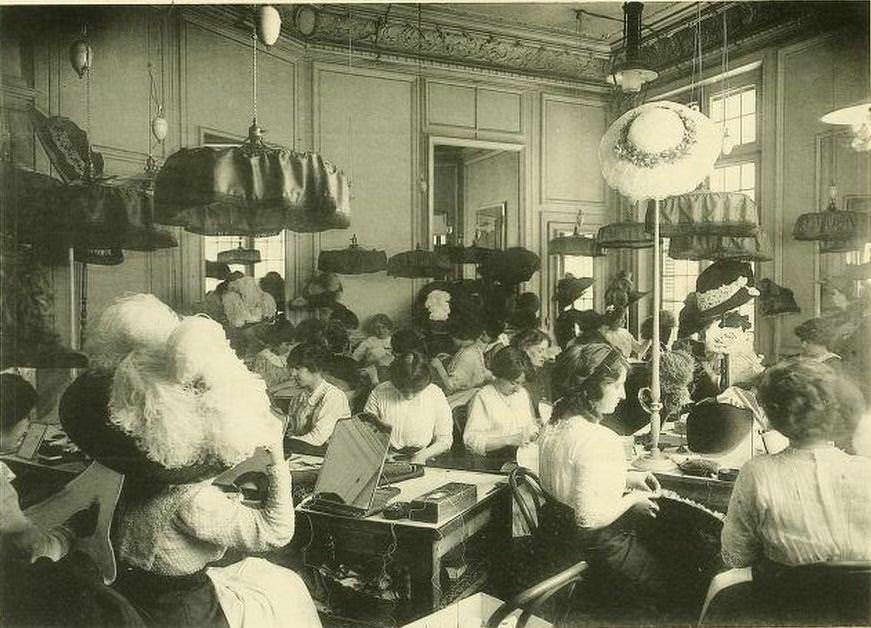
(239, 255)
(459, 254)
(252, 189)
(624, 235)
(575, 244)
(354, 260)
(510, 266)
(705, 213)
(418, 264)
(711, 247)
(835, 225)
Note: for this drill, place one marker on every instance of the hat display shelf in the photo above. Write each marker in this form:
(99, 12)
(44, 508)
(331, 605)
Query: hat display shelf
(651, 152)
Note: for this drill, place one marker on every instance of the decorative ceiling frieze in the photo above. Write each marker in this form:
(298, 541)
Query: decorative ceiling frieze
(405, 35)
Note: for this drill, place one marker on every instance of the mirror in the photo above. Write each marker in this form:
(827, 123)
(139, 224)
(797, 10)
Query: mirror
(475, 192)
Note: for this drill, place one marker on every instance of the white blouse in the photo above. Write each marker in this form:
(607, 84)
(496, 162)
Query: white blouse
(415, 422)
(583, 465)
(492, 414)
(800, 506)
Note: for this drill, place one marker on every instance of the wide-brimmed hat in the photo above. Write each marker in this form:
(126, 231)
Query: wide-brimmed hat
(775, 299)
(570, 288)
(175, 413)
(716, 428)
(659, 149)
(723, 286)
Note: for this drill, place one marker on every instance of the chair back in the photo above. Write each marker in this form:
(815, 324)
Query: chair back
(830, 593)
(527, 493)
(533, 598)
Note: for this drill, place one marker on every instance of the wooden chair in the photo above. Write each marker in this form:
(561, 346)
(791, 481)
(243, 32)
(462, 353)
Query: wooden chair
(831, 593)
(528, 500)
(533, 598)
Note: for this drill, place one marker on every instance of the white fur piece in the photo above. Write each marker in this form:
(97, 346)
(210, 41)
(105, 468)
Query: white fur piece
(131, 322)
(438, 302)
(198, 352)
(244, 302)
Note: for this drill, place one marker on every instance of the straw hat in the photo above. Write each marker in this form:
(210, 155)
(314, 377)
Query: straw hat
(659, 149)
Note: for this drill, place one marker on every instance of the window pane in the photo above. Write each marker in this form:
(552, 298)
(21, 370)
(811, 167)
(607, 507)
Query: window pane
(733, 179)
(748, 175)
(718, 181)
(748, 129)
(734, 128)
(272, 255)
(748, 102)
(716, 109)
(733, 106)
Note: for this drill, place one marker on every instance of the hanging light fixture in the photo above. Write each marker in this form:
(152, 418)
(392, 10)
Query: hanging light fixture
(631, 73)
(268, 24)
(728, 140)
(418, 264)
(625, 234)
(81, 54)
(239, 255)
(858, 118)
(577, 243)
(254, 189)
(354, 260)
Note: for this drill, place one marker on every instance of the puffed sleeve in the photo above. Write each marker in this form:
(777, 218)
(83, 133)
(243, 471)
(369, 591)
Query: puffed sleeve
(598, 484)
(740, 543)
(477, 425)
(215, 517)
(444, 422)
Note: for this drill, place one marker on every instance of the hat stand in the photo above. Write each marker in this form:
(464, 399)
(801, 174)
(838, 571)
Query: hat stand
(655, 460)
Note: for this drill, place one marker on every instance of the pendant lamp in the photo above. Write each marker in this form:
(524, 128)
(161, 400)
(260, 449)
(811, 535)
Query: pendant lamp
(840, 230)
(626, 234)
(858, 118)
(418, 264)
(354, 260)
(239, 255)
(706, 213)
(632, 73)
(255, 189)
(577, 243)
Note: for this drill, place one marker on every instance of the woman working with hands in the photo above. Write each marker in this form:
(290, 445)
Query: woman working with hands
(583, 467)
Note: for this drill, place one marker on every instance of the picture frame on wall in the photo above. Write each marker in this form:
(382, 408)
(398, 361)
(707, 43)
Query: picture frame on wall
(491, 229)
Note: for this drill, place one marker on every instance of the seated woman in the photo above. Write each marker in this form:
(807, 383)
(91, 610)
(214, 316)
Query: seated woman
(171, 418)
(817, 336)
(583, 466)
(501, 414)
(376, 349)
(534, 346)
(312, 414)
(414, 408)
(466, 369)
(808, 503)
(667, 326)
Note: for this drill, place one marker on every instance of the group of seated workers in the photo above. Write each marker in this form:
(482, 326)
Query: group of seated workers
(182, 407)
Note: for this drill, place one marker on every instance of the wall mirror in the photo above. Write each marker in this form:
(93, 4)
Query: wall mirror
(475, 192)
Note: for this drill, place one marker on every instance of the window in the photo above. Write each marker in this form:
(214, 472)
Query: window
(736, 109)
(271, 255)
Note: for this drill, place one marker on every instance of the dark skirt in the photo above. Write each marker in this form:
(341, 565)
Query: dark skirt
(626, 570)
(188, 600)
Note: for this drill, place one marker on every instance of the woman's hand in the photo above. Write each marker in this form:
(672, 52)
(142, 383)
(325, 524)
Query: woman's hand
(642, 481)
(418, 458)
(645, 504)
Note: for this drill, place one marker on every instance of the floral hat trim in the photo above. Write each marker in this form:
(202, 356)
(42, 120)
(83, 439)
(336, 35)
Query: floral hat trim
(627, 151)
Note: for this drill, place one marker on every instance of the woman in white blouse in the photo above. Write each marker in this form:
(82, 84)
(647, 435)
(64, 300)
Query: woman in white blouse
(583, 466)
(810, 502)
(501, 413)
(414, 408)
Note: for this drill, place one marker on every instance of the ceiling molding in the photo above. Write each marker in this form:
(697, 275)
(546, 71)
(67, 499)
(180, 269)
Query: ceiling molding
(402, 34)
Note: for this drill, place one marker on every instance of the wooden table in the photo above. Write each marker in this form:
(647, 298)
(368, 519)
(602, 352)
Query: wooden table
(709, 492)
(478, 536)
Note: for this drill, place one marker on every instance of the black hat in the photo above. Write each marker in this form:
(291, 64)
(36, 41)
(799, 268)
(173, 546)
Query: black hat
(716, 428)
(775, 299)
(511, 266)
(84, 414)
(723, 286)
(570, 288)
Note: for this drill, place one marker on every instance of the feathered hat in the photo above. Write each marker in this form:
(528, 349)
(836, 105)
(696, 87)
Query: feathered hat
(175, 412)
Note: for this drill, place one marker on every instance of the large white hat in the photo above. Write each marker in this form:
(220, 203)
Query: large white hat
(659, 149)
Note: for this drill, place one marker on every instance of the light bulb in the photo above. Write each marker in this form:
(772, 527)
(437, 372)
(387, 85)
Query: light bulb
(159, 125)
(728, 142)
(268, 24)
(81, 56)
